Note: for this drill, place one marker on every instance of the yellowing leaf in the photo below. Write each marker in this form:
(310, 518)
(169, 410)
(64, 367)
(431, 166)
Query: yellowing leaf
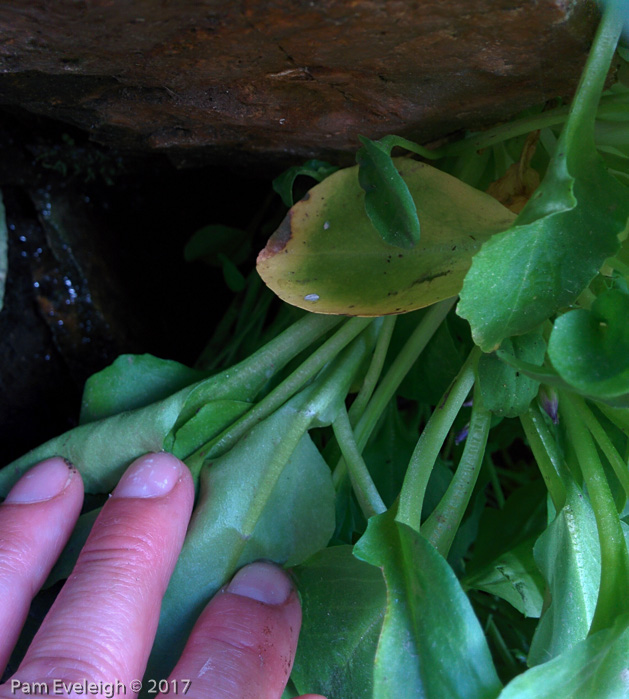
(327, 257)
(516, 186)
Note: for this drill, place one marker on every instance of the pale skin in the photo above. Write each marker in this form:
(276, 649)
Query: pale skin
(102, 625)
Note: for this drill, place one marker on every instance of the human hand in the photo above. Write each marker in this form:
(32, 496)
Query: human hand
(101, 626)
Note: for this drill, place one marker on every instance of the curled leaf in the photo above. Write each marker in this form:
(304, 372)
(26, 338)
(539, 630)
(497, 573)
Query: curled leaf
(388, 202)
(590, 348)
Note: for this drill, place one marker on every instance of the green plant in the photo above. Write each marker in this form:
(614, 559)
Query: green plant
(441, 566)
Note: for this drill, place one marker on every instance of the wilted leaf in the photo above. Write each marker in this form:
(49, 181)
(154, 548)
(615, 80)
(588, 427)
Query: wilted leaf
(516, 186)
(327, 257)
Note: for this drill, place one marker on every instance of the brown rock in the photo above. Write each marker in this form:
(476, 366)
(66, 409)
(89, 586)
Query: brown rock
(285, 78)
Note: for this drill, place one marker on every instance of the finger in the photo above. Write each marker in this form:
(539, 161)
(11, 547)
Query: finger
(102, 624)
(244, 642)
(36, 520)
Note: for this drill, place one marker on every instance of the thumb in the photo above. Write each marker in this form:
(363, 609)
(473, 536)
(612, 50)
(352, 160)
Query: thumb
(244, 642)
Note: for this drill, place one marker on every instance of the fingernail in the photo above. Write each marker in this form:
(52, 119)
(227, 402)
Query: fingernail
(42, 482)
(150, 476)
(263, 582)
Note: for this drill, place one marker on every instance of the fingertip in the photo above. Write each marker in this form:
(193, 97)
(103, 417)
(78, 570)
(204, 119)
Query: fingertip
(153, 475)
(247, 635)
(262, 581)
(44, 481)
(36, 520)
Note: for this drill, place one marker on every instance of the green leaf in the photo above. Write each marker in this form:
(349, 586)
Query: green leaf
(328, 258)
(442, 358)
(570, 226)
(103, 449)
(590, 349)
(568, 554)
(210, 242)
(514, 577)
(522, 517)
(232, 275)
(388, 202)
(239, 521)
(388, 452)
(343, 602)
(592, 669)
(502, 561)
(209, 421)
(4, 261)
(133, 381)
(284, 183)
(504, 390)
(550, 377)
(270, 496)
(431, 643)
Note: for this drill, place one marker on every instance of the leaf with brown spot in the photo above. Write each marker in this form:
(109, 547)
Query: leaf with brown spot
(327, 257)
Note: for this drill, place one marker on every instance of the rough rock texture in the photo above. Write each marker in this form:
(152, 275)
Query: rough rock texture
(285, 78)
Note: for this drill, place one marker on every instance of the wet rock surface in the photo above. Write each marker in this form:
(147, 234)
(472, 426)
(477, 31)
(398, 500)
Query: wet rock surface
(96, 269)
(285, 80)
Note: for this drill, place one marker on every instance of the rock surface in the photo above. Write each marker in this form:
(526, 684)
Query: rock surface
(285, 78)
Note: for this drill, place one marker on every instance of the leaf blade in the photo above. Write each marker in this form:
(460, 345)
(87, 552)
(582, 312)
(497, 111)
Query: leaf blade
(388, 201)
(429, 616)
(326, 256)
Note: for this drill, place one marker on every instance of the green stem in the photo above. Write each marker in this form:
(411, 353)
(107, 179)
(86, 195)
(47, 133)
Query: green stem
(210, 356)
(441, 526)
(619, 416)
(375, 369)
(250, 375)
(612, 596)
(603, 441)
(366, 492)
(546, 454)
(504, 132)
(618, 265)
(430, 443)
(593, 76)
(495, 481)
(392, 141)
(502, 648)
(393, 378)
(252, 295)
(285, 390)
(254, 317)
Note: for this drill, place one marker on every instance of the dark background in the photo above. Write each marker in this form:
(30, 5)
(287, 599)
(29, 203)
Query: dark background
(96, 265)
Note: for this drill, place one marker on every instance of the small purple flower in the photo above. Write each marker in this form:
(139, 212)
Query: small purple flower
(462, 435)
(549, 402)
